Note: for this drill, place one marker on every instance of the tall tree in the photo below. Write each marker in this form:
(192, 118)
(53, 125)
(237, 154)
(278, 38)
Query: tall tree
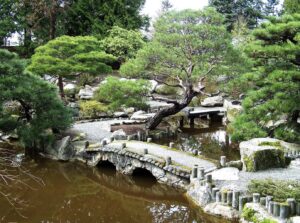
(42, 113)
(251, 10)
(96, 17)
(166, 6)
(291, 6)
(7, 19)
(270, 8)
(69, 57)
(187, 46)
(271, 107)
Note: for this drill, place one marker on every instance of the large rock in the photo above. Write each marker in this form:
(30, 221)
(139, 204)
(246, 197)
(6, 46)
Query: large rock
(119, 134)
(213, 101)
(199, 194)
(87, 92)
(262, 153)
(218, 209)
(233, 110)
(228, 173)
(62, 149)
(141, 115)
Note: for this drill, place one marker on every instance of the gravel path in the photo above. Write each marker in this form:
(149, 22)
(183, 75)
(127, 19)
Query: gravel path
(179, 157)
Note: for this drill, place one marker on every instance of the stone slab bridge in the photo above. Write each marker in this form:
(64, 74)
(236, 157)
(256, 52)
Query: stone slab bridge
(166, 164)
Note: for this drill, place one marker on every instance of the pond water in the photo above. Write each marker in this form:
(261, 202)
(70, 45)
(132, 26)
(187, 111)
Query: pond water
(212, 142)
(73, 192)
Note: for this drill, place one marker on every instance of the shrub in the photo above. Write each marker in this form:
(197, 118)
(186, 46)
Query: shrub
(123, 93)
(280, 190)
(91, 108)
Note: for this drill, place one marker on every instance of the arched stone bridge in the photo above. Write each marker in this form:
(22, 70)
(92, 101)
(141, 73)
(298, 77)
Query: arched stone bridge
(166, 165)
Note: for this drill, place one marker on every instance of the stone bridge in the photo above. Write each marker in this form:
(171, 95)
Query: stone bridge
(165, 164)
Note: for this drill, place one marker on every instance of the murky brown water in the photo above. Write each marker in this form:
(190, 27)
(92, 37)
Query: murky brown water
(212, 142)
(75, 193)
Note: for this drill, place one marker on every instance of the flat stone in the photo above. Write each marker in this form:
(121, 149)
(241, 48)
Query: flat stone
(218, 209)
(228, 173)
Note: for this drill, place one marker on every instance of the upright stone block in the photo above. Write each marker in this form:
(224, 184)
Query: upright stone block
(223, 160)
(256, 198)
(214, 193)
(242, 201)
(298, 209)
(284, 211)
(209, 178)
(218, 197)
(201, 173)
(168, 161)
(271, 207)
(224, 197)
(145, 151)
(235, 199)
(139, 136)
(123, 145)
(276, 209)
(292, 204)
(262, 201)
(149, 140)
(171, 144)
(195, 171)
(268, 199)
(229, 198)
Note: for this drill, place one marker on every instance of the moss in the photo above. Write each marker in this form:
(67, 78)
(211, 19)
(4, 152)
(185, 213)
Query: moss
(277, 144)
(249, 163)
(268, 220)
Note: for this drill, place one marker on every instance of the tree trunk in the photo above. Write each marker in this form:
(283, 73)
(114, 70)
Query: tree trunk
(160, 115)
(60, 85)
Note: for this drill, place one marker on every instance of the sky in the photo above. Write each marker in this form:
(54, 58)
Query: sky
(152, 7)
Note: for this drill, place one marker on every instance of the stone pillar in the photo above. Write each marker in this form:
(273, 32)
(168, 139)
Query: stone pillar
(235, 199)
(276, 209)
(168, 161)
(195, 172)
(223, 160)
(284, 211)
(271, 207)
(139, 136)
(268, 199)
(224, 197)
(192, 122)
(149, 140)
(214, 193)
(112, 139)
(171, 144)
(256, 198)
(262, 201)
(292, 204)
(242, 201)
(128, 138)
(145, 151)
(201, 173)
(229, 198)
(209, 178)
(218, 197)
(104, 142)
(298, 209)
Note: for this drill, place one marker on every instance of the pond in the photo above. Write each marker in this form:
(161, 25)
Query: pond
(73, 192)
(212, 142)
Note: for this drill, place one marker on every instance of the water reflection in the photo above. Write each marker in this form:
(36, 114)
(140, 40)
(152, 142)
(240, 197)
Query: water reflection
(76, 193)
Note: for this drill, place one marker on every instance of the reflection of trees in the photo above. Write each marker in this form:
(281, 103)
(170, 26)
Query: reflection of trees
(162, 212)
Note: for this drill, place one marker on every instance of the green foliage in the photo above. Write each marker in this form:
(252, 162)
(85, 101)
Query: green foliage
(7, 16)
(291, 6)
(123, 43)
(96, 17)
(249, 215)
(274, 82)
(42, 110)
(166, 90)
(123, 93)
(70, 57)
(279, 189)
(92, 108)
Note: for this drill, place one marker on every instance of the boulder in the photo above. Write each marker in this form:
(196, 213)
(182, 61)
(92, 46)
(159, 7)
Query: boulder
(228, 173)
(141, 115)
(119, 134)
(153, 85)
(233, 109)
(129, 110)
(61, 150)
(70, 87)
(120, 115)
(218, 209)
(262, 153)
(213, 101)
(86, 93)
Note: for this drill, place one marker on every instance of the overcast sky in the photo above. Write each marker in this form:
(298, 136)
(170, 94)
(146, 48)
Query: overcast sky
(152, 7)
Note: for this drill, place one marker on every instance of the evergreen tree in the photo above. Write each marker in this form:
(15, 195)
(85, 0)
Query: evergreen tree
(7, 19)
(291, 6)
(166, 6)
(68, 57)
(187, 47)
(272, 107)
(42, 112)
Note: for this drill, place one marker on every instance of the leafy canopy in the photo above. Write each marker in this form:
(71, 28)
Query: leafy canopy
(69, 57)
(119, 93)
(42, 112)
(123, 43)
(272, 103)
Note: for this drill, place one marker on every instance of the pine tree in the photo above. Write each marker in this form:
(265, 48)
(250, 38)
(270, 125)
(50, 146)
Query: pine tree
(272, 107)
